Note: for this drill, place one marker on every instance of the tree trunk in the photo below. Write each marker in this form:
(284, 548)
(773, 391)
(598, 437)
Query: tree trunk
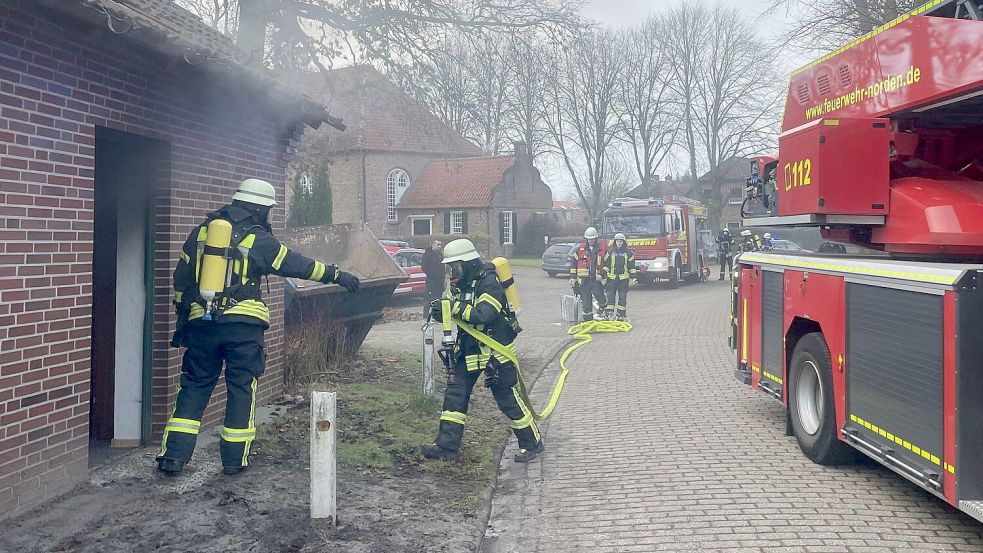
(254, 15)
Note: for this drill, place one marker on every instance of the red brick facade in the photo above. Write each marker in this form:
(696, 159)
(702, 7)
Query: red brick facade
(59, 80)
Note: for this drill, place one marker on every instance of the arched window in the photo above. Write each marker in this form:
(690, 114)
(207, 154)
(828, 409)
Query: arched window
(395, 186)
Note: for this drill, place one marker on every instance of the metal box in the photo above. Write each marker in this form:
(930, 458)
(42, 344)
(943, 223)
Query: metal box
(835, 167)
(570, 310)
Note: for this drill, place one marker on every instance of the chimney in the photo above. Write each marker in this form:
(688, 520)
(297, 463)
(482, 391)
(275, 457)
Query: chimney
(521, 152)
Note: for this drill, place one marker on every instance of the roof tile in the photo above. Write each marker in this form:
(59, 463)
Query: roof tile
(467, 182)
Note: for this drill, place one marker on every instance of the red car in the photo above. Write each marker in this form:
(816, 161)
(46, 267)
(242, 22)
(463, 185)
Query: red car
(410, 261)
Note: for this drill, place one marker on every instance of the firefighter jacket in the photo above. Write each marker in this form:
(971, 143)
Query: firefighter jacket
(481, 303)
(255, 253)
(589, 262)
(619, 264)
(725, 241)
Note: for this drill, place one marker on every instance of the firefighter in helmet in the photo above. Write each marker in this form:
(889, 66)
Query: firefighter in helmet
(725, 242)
(766, 244)
(227, 325)
(478, 299)
(587, 277)
(749, 242)
(619, 270)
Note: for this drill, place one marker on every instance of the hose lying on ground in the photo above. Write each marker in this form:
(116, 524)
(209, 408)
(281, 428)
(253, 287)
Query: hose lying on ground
(582, 332)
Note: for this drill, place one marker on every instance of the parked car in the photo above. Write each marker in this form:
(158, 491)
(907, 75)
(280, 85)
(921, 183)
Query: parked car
(410, 260)
(786, 246)
(560, 258)
(393, 246)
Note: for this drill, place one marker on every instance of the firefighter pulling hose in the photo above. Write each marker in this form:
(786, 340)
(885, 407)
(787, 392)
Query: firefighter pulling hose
(482, 309)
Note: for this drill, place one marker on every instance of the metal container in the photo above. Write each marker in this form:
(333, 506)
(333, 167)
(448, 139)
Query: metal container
(343, 315)
(570, 310)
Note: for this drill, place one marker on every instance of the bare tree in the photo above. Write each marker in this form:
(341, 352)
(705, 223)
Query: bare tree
(825, 25)
(583, 122)
(735, 110)
(488, 68)
(444, 85)
(303, 34)
(650, 120)
(684, 45)
(221, 15)
(525, 104)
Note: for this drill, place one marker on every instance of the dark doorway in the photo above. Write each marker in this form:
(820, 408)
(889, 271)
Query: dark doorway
(128, 170)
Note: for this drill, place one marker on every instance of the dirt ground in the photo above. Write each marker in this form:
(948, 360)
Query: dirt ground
(389, 498)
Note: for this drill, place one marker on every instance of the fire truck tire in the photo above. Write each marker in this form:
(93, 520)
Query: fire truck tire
(811, 405)
(674, 276)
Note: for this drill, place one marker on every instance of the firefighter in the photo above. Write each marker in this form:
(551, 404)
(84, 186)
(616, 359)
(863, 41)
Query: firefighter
(724, 244)
(587, 278)
(228, 325)
(619, 271)
(748, 242)
(478, 298)
(766, 243)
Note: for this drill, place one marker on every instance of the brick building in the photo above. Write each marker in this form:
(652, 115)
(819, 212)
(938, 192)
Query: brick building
(120, 127)
(485, 198)
(732, 174)
(389, 140)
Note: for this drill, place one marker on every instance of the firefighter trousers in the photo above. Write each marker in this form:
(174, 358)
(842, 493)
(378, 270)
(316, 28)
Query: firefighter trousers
(726, 263)
(618, 296)
(506, 393)
(240, 347)
(589, 289)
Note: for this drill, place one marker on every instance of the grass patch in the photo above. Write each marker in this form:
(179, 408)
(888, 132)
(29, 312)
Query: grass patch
(384, 419)
(534, 262)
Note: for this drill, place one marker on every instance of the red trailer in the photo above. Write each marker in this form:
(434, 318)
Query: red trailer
(881, 147)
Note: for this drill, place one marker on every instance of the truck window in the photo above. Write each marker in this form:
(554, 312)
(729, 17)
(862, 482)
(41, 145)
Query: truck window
(634, 225)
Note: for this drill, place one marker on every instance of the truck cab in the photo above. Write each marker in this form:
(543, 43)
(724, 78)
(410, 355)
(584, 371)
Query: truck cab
(664, 232)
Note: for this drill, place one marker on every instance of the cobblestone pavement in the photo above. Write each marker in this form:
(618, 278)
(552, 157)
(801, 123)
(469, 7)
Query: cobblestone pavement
(656, 447)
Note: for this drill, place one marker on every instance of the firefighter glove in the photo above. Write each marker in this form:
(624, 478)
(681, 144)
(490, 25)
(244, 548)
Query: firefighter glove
(347, 281)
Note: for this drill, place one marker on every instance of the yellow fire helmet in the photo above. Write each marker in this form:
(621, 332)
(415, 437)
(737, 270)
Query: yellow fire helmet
(461, 249)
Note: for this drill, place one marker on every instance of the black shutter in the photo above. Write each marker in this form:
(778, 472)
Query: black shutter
(447, 222)
(515, 228)
(464, 222)
(501, 227)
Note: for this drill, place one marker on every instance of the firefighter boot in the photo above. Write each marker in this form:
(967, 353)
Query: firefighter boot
(170, 467)
(526, 455)
(434, 451)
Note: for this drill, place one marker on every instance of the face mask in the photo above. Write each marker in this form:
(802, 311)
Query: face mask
(457, 271)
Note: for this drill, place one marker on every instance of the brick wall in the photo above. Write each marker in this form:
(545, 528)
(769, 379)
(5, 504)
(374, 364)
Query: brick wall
(56, 87)
(522, 191)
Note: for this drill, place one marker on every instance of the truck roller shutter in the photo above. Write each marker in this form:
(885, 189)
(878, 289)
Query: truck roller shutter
(772, 329)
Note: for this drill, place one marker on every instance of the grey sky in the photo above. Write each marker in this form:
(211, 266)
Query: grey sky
(618, 13)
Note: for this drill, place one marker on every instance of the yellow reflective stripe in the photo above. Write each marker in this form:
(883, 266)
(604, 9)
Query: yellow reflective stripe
(526, 412)
(279, 257)
(187, 426)
(454, 416)
(248, 241)
(901, 442)
(238, 435)
(185, 257)
(261, 314)
(252, 423)
(490, 299)
(318, 271)
(197, 312)
(466, 315)
(178, 296)
(744, 332)
(905, 275)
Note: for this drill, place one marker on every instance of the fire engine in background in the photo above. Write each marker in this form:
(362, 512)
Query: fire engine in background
(881, 147)
(664, 233)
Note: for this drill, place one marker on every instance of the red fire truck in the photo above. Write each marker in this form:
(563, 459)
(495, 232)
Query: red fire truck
(664, 232)
(881, 147)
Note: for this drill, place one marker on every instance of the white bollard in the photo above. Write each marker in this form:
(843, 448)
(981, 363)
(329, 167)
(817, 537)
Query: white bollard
(323, 483)
(428, 333)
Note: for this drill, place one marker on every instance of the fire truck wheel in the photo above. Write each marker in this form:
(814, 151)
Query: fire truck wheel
(810, 401)
(674, 276)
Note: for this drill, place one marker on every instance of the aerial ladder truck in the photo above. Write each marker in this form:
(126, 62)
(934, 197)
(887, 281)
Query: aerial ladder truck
(882, 148)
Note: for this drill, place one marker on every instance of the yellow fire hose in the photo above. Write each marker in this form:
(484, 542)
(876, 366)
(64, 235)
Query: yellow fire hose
(582, 332)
